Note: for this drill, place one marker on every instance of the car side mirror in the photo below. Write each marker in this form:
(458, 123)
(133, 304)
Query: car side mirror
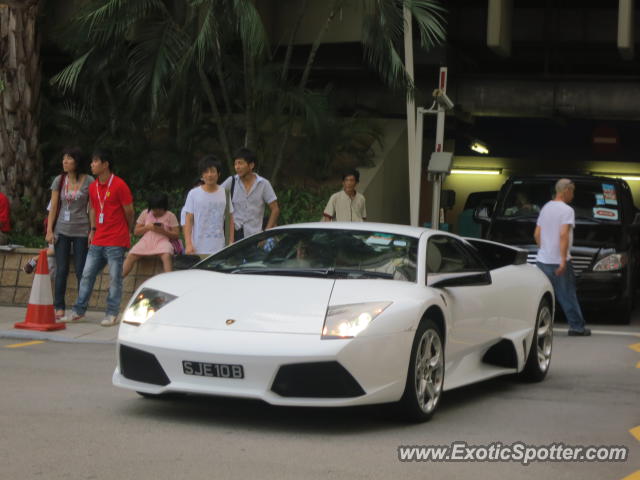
(483, 212)
(465, 280)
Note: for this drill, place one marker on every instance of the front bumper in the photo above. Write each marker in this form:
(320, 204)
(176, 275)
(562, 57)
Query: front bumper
(275, 365)
(602, 289)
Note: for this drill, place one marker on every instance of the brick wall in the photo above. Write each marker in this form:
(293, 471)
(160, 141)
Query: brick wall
(15, 285)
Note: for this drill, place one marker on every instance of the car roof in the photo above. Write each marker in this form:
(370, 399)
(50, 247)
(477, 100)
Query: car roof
(366, 226)
(573, 177)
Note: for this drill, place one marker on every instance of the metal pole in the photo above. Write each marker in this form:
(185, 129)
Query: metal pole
(435, 202)
(437, 178)
(414, 179)
(418, 162)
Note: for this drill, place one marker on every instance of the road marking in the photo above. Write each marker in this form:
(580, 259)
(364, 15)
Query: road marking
(607, 332)
(635, 431)
(633, 476)
(635, 347)
(25, 344)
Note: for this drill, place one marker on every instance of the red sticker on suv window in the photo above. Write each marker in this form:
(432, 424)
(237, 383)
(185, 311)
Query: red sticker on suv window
(605, 213)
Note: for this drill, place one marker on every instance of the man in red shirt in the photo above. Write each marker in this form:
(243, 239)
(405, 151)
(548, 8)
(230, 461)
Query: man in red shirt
(5, 221)
(111, 217)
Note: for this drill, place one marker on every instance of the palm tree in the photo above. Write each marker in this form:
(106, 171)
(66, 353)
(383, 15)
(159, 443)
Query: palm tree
(383, 30)
(172, 57)
(20, 164)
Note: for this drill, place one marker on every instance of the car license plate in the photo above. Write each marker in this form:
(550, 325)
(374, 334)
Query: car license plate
(221, 370)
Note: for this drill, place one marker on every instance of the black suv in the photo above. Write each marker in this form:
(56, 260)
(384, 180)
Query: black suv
(606, 248)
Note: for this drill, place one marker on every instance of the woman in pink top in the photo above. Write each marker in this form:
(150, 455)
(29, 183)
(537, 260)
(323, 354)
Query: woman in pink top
(158, 226)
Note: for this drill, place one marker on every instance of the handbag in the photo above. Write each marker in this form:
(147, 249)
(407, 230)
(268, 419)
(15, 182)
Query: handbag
(178, 247)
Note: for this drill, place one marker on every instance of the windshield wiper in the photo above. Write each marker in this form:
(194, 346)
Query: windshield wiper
(302, 272)
(528, 216)
(360, 273)
(315, 272)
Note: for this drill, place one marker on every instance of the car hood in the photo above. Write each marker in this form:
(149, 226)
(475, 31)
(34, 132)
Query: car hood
(240, 302)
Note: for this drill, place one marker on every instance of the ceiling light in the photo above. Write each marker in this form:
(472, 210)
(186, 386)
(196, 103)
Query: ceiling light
(623, 176)
(479, 147)
(476, 171)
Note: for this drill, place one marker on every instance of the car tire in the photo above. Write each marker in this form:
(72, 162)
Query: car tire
(539, 357)
(425, 375)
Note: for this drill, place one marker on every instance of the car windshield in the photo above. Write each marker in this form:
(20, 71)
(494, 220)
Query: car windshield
(596, 201)
(350, 254)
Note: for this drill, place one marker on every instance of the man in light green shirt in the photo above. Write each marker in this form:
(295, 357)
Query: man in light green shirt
(347, 205)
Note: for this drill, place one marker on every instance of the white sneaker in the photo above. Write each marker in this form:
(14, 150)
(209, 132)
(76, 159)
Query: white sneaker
(109, 321)
(72, 317)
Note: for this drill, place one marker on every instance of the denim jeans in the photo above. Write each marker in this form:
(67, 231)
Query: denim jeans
(97, 258)
(565, 289)
(62, 252)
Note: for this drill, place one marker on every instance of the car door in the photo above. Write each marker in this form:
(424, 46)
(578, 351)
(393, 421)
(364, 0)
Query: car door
(472, 307)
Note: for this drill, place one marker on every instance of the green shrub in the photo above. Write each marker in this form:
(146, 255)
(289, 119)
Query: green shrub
(26, 240)
(301, 204)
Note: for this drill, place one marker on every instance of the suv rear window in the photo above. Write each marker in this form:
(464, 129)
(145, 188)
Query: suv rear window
(595, 201)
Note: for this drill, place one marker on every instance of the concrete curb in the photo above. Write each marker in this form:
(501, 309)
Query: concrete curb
(53, 337)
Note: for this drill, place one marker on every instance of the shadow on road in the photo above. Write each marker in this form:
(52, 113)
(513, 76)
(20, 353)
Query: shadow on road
(255, 414)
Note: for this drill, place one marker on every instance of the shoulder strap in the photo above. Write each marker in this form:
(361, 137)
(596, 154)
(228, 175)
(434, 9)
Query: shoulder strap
(227, 216)
(62, 177)
(233, 185)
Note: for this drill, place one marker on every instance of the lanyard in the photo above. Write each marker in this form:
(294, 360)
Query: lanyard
(74, 196)
(106, 194)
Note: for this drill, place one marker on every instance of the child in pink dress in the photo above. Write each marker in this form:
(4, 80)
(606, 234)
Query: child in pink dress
(158, 226)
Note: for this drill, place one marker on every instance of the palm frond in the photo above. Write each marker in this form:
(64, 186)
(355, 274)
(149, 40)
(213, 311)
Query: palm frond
(113, 19)
(383, 33)
(250, 27)
(429, 16)
(67, 79)
(153, 60)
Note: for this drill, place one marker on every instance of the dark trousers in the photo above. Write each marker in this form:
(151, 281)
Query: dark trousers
(62, 250)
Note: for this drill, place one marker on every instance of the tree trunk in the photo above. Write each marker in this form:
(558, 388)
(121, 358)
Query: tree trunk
(20, 161)
(215, 110)
(251, 131)
(336, 5)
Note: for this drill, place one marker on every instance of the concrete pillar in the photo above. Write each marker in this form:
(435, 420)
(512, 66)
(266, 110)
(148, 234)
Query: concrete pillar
(626, 16)
(499, 21)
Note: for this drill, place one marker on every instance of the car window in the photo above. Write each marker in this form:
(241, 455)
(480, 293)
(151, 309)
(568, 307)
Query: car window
(349, 254)
(597, 200)
(449, 255)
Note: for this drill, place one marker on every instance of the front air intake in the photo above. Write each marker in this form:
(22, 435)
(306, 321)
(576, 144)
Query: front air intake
(141, 366)
(316, 380)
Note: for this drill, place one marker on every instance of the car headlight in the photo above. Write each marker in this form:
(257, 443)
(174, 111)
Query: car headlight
(615, 261)
(347, 321)
(146, 303)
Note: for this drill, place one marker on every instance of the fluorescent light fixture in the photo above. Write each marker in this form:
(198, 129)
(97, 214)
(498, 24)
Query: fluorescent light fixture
(625, 176)
(479, 147)
(475, 171)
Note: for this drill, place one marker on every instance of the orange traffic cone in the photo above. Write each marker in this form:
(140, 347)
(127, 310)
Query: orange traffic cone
(40, 313)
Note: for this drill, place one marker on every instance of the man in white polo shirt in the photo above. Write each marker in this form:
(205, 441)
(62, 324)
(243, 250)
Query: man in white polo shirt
(347, 205)
(554, 236)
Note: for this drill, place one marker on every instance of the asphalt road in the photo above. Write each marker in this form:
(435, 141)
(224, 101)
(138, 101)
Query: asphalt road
(62, 419)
